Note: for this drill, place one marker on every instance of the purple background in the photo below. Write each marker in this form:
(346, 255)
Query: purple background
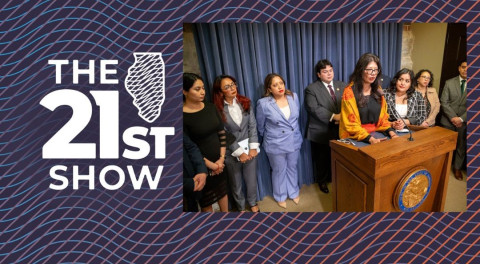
(40, 225)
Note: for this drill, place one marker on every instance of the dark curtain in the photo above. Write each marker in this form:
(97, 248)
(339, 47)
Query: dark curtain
(251, 51)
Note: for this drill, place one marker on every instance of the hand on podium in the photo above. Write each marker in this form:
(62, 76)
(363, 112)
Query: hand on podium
(373, 140)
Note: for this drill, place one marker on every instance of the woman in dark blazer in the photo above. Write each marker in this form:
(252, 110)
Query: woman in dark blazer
(407, 102)
(194, 174)
(237, 115)
(277, 121)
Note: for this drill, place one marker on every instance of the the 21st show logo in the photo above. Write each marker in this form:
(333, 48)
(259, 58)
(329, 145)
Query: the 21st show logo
(145, 82)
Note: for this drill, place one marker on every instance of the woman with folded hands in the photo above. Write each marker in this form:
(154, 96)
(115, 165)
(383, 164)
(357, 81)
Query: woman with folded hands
(202, 123)
(238, 118)
(404, 102)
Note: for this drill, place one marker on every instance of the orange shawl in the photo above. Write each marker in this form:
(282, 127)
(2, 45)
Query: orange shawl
(350, 124)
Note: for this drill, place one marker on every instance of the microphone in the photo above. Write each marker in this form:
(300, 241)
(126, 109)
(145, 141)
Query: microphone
(399, 117)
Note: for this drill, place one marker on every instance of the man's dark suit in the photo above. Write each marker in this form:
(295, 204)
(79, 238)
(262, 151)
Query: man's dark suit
(453, 104)
(193, 164)
(320, 107)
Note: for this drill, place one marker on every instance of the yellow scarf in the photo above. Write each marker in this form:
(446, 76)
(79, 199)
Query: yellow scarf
(350, 124)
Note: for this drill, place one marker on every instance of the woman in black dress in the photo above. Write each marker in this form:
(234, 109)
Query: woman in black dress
(202, 122)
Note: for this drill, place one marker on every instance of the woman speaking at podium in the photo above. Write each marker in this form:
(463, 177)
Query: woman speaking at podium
(364, 109)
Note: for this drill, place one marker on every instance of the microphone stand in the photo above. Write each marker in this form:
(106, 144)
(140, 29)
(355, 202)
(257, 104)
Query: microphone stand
(400, 117)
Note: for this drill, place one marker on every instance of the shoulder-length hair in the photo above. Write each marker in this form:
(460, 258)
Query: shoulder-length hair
(218, 97)
(188, 80)
(413, 82)
(419, 74)
(268, 82)
(357, 79)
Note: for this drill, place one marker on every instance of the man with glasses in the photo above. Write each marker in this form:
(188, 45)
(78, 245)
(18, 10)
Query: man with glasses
(453, 99)
(323, 103)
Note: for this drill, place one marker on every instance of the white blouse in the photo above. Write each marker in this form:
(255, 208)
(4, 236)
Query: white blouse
(235, 111)
(286, 111)
(402, 109)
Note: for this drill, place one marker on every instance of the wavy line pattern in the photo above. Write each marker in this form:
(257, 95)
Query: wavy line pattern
(39, 225)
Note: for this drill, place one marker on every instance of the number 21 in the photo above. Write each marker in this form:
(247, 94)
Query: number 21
(60, 146)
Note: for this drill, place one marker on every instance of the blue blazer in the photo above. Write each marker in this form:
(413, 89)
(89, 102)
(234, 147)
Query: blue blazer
(193, 163)
(279, 134)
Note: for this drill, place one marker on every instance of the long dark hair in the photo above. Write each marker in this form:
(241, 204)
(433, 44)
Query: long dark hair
(188, 80)
(419, 73)
(357, 78)
(393, 83)
(268, 82)
(218, 95)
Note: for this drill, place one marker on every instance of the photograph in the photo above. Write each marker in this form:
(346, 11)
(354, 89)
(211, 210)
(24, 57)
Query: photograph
(343, 117)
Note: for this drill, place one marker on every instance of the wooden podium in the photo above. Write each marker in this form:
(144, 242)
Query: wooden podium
(371, 178)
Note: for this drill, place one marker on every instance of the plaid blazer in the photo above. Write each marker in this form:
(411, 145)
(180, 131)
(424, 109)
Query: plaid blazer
(416, 109)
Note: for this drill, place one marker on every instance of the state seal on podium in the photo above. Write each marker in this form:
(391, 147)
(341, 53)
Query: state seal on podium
(412, 190)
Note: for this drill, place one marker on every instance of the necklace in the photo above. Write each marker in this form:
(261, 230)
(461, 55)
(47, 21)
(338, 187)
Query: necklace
(401, 98)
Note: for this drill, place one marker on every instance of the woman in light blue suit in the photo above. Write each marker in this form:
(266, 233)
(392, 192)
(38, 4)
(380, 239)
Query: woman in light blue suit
(237, 115)
(277, 122)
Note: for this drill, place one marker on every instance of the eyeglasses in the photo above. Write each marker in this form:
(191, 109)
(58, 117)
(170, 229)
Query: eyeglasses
(372, 71)
(229, 86)
(426, 78)
(346, 141)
